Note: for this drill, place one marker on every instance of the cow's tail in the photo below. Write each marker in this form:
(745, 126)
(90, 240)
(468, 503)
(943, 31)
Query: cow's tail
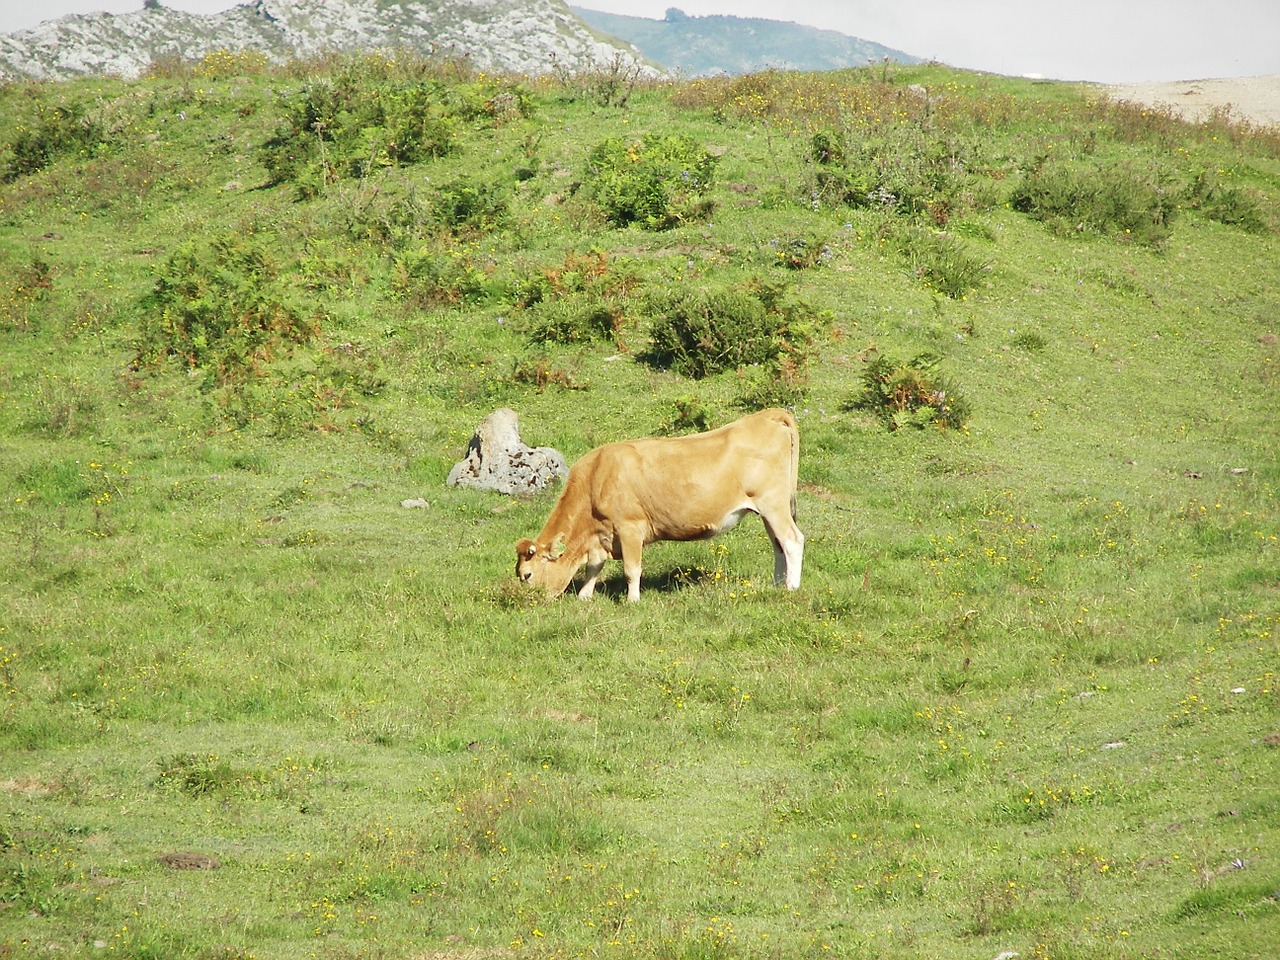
(795, 464)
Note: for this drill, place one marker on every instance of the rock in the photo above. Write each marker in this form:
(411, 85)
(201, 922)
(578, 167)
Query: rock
(498, 460)
(416, 503)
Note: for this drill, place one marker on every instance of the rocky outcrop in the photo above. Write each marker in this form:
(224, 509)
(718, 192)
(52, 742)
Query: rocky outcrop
(498, 460)
(521, 36)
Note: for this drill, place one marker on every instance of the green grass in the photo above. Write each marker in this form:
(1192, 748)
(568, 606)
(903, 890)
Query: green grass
(1026, 699)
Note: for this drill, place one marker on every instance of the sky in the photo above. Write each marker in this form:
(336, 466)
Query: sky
(1103, 41)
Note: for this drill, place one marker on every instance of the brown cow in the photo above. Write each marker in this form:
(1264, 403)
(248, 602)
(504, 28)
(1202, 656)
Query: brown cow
(622, 496)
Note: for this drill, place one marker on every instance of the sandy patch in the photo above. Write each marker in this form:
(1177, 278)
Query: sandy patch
(1256, 99)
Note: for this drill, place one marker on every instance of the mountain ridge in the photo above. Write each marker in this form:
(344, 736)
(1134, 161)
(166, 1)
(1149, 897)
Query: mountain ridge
(716, 44)
(521, 36)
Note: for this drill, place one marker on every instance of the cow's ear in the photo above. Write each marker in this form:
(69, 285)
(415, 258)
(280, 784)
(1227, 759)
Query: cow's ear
(526, 549)
(557, 546)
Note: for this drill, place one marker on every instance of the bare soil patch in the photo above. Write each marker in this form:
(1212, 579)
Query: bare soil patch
(1256, 99)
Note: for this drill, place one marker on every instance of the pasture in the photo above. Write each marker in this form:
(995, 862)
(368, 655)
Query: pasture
(251, 706)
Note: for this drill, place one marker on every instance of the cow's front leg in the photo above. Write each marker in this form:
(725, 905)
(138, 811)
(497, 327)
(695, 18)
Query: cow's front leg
(632, 547)
(595, 563)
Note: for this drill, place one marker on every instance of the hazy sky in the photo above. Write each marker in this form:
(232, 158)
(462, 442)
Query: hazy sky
(1108, 41)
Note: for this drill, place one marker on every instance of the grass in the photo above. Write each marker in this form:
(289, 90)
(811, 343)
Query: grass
(1026, 699)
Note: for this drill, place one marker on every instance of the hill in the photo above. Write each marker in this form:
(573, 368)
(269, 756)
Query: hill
(269, 688)
(527, 36)
(698, 46)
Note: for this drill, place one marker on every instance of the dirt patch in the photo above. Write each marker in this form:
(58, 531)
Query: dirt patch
(1256, 99)
(30, 786)
(189, 860)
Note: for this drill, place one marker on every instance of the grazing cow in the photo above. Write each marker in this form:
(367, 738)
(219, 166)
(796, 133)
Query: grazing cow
(623, 495)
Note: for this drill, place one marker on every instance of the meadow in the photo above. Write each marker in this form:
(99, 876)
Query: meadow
(1025, 700)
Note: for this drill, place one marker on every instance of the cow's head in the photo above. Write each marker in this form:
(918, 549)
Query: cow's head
(545, 565)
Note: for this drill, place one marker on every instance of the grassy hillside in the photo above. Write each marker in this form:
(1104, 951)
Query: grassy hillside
(1025, 700)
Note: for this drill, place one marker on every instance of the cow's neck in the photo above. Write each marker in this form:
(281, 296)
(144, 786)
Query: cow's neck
(574, 552)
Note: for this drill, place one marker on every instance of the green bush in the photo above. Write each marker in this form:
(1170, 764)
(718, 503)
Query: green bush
(60, 130)
(704, 331)
(903, 170)
(222, 305)
(911, 393)
(802, 252)
(1226, 204)
(370, 115)
(1106, 199)
(940, 260)
(466, 204)
(657, 182)
(577, 318)
(341, 127)
(432, 277)
(583, 300)
(691, 416)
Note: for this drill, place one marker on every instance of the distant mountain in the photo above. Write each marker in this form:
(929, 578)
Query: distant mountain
(501, 35)
(698, 46)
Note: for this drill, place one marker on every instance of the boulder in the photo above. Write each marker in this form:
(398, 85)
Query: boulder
(498, 460)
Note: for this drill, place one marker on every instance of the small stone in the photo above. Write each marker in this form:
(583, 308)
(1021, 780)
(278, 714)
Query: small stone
(415, 504)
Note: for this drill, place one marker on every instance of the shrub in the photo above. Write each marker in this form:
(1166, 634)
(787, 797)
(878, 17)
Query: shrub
(705, 331)
(369, 115)
(582, 300)
(341, 127)
(608, 86)
(60, 130)
(657, 182)
(940, 260)
(222, 305)
(911, 393)
(904, 170)
(575, 319)
(802, 252)
(1105, 199)
(541, 373)
(466, 204)
(431, 277)
(691, 416)
(1233, 206)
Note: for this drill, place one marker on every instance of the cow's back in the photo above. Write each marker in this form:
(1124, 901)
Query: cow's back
(683, 487)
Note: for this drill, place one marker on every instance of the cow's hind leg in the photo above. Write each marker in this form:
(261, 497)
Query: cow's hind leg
(788, 547)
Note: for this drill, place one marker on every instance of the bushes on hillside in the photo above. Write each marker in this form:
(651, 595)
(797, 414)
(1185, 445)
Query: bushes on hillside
(656, 182)
(910, 393)
(222, 305)
(703, 331)
(1107, 199)
(367, 117)
(583, 299)
(939, 260)
(904, 170)
(1227, 204)
(57, 130)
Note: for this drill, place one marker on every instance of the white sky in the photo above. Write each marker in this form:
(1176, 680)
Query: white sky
(1108, 41)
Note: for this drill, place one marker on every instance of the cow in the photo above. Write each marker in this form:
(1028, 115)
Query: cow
(624, 495)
